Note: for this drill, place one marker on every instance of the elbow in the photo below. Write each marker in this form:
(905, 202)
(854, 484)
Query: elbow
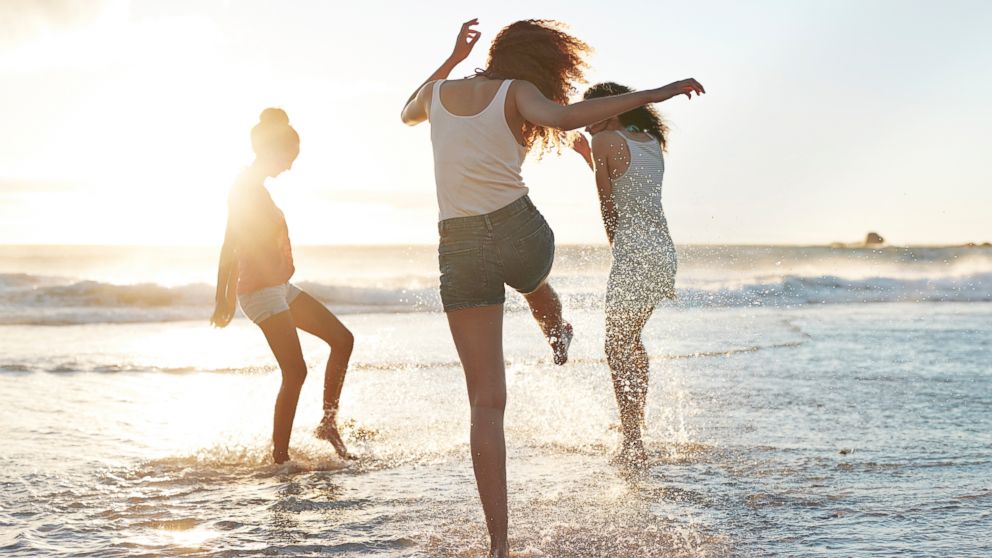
(567, 121)
(410, 117)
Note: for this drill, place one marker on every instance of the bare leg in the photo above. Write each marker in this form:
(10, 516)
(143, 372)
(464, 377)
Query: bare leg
(628, 362)
(314, 318)
(478, 336)
(639, 370)
(545, 306)
(280, 332)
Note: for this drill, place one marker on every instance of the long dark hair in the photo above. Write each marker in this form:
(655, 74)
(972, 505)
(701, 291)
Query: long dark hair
(539, 51)
(645, 118)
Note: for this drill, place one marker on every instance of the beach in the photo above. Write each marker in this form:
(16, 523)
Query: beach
(803, 400)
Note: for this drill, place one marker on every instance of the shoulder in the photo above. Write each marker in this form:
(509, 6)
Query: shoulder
(428, 88)
(426, 94)
(604, 142)
(524, 89)
(246, 191)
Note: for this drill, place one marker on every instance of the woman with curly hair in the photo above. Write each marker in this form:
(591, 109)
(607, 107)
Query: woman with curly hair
(256, 264)
(491, 234)
(626, 156)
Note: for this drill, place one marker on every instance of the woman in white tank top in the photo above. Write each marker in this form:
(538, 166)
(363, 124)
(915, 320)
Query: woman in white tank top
(626, 156)
(491, 234)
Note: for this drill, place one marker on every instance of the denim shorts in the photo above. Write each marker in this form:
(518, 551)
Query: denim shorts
(478, 255)
(264, 303)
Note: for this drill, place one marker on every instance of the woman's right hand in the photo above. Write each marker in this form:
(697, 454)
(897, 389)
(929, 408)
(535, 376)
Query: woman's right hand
(223, 313)
(581, 146)
(683, 87)
(467, 37)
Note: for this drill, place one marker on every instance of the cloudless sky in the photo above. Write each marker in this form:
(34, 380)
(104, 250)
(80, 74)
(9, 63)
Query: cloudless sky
(125, 122)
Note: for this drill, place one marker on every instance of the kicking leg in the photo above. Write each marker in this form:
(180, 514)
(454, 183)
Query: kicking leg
(545, 306)
(313, 317)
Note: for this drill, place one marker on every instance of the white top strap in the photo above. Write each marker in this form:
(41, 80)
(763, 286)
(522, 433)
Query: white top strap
(436, 93)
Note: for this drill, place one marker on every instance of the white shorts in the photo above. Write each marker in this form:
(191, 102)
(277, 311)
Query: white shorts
(264, 303)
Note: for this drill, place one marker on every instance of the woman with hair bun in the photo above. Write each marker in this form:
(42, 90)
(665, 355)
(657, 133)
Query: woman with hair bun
(491, 234)
(256, 264)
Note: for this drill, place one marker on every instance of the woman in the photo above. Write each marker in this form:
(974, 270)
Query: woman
(626, 155)
(491, 234)
(256, 264)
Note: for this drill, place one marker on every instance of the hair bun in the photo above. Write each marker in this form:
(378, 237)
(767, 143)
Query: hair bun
(274, 117)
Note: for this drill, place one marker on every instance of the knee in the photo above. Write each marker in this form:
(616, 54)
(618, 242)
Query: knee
(617, 352)
(344, 344)
(493, 399)
(293, 377)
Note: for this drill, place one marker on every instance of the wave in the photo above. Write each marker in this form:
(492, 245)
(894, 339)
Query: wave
(792, 290)
(40, 300)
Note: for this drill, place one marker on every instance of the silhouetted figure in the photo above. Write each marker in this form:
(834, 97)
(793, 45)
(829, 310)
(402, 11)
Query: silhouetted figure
(256, 264)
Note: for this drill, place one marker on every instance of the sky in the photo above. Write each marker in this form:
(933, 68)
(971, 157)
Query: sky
(125, 122)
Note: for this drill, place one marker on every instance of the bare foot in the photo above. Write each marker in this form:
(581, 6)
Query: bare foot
(499, 551)
(328, 430)
(560, 341)
(280, 457)
(631, 456)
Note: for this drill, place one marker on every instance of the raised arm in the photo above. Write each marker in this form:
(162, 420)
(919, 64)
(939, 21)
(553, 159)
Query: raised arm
(415, 110)
(538, 109)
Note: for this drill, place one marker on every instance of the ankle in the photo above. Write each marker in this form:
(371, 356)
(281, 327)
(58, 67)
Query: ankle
(330, 415)
(496, 547)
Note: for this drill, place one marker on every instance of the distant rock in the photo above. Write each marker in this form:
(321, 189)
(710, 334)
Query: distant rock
(874, 239)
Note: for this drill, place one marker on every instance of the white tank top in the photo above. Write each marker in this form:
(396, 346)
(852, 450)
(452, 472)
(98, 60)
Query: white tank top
(476, 158)
(637, 196)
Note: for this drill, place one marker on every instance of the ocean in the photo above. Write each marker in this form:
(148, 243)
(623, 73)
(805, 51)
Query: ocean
(803, 401)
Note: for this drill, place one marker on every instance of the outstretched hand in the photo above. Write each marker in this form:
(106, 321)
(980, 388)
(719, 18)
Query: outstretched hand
(467, 37)
(683, 87)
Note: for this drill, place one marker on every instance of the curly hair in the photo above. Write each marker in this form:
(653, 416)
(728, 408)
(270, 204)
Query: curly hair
(646, 118)
(539, 51)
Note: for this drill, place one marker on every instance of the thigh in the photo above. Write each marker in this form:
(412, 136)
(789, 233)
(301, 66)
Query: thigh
(470, 276)
(478, 337)
(624, 323)
(529, 253)
(313, 317)
(264, 303)
(280, 332)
